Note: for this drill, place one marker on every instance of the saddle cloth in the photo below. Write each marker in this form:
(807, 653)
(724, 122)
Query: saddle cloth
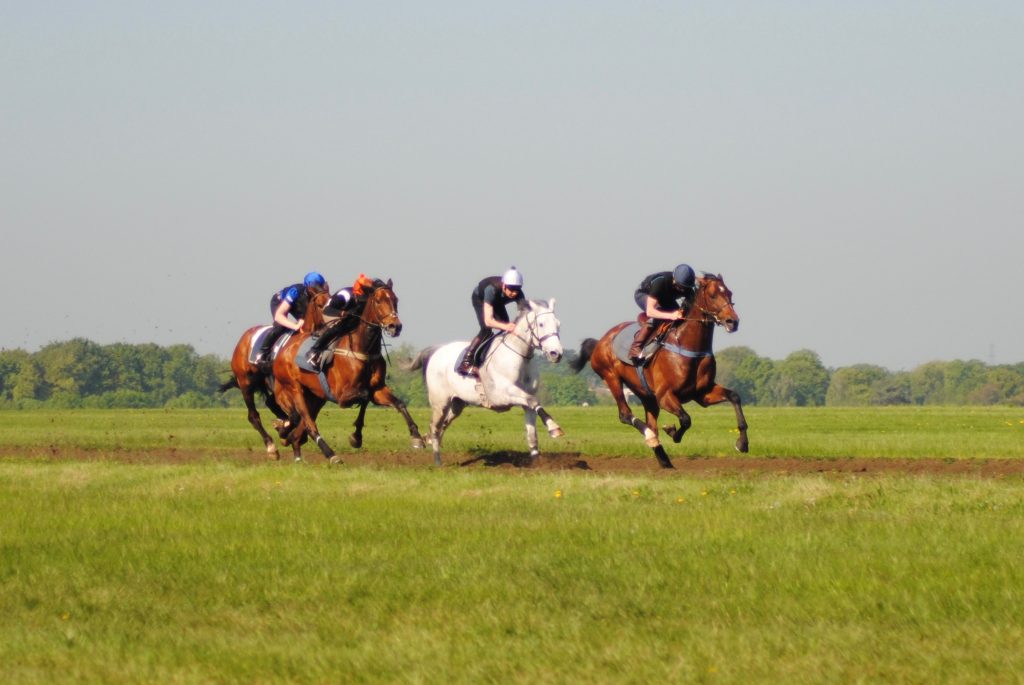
(624, 339)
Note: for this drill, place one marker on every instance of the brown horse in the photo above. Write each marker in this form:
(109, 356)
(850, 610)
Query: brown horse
(681, 370)
(251, 380)
(357, 375)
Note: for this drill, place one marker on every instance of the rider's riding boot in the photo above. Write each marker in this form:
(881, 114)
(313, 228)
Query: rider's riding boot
(316, 352)
(467, 367)
(636, 350)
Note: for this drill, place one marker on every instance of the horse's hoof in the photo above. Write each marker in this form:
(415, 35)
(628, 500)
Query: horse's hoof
(335, 460)
(417, 444)
(298, 459)
(355, 442)
(556, 433)
(272, 453)
(742, 446)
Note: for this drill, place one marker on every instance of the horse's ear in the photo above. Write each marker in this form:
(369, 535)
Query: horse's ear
(389, 284)
(551, 303)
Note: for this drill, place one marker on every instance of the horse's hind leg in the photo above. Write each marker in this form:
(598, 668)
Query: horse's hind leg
(530, 422)
(254, 419)
(626, 414)
(356, 439)
(718, 394)
(651, 409)
(386, 398)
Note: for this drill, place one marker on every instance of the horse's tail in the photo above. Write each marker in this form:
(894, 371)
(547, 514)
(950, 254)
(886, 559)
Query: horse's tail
(224, 387)
(421, 359)
(586, 349)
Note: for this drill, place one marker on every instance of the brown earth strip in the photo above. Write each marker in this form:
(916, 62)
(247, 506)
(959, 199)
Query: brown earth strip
(560, 461)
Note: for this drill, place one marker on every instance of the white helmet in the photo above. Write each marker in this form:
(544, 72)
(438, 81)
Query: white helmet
(512, 278)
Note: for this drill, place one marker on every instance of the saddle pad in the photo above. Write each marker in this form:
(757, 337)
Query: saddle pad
(622, 342)
(257, 342)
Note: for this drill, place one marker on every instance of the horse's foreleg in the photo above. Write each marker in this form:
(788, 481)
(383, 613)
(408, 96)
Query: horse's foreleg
(670, 403)
(718, 394)
(386, 398)
(554, 430)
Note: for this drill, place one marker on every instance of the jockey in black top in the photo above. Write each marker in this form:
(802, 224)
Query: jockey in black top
(658, 296)
(291, 301)
(341, 314)
(489, 299)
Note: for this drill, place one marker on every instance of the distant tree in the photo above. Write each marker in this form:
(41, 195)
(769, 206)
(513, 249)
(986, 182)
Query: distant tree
(927, 383)
(563, 390)
(854, 386)
(963, 378)
(801, 380)
(740, 369)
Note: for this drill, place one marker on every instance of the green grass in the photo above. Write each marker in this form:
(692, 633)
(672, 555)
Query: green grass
(219, 572)
(238, 570)
(940, 432)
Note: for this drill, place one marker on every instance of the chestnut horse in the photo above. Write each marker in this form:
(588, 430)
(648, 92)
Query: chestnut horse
(357, 375)
(250, 380)
(681, 370)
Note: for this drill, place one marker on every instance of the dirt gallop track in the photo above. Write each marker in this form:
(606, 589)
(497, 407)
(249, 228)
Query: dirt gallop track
(562, 461)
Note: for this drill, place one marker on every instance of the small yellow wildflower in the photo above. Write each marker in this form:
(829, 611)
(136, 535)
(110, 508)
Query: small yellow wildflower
(558, 494)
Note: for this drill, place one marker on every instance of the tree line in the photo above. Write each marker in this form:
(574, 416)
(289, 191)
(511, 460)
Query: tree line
(81, 373)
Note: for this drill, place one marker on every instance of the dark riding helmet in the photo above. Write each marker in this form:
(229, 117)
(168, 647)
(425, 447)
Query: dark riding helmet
(314, 280)
(683, 276)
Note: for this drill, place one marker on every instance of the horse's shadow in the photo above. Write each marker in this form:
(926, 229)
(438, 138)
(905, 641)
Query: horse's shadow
(523, 460)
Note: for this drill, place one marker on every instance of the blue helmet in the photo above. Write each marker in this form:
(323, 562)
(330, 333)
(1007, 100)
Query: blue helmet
(683, 276)
(314, 279)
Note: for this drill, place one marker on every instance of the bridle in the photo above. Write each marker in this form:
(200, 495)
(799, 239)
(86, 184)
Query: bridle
(535, 341)
(382, 322)
(708, 316)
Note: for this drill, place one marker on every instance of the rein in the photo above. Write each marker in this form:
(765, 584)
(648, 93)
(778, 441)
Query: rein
(529, 342)
(707, 317)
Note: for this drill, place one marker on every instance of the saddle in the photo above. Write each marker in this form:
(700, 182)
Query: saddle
(481, 351)
(623, 340)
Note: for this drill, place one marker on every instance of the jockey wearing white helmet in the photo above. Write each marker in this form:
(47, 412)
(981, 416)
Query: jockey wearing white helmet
(489, 299)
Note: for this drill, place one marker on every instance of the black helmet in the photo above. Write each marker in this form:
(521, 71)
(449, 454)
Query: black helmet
(683, 276)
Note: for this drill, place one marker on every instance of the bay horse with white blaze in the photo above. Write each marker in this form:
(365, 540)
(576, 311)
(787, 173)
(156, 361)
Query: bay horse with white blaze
(681, 370)
(357, 375)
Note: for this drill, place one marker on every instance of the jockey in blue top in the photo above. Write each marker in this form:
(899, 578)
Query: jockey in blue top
(341, 314)
(288, 307)
(658, 296)
(489, 299)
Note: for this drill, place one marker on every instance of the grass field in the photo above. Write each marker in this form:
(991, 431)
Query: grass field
(912, 432)
(241, 570)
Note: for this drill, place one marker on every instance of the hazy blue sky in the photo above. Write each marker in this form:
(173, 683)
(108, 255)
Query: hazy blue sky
(855, 170)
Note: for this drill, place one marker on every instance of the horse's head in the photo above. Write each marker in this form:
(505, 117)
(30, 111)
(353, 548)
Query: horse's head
(714, 301)
(382, 308)
(542, 326)
(314, 318)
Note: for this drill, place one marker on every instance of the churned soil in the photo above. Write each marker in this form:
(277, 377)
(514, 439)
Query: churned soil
(558, 461)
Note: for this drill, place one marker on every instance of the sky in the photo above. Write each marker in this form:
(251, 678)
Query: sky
(854, 171)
